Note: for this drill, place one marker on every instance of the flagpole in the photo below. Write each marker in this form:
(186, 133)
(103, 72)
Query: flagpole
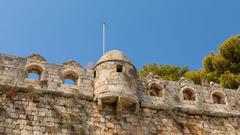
(104, 36)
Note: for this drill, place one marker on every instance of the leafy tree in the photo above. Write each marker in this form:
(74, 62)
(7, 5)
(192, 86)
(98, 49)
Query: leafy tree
(235, 68)
(147, 69)
(212, 76)
(220, 64)
(195, 76)
(229, 80)
(230, 49)
(222, 67)
(208, 62)
(167, 72)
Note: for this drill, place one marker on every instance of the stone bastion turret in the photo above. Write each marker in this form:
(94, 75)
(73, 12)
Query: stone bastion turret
(115, 80)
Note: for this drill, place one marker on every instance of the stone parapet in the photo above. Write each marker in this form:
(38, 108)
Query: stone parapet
(14, 72)
(107, 100)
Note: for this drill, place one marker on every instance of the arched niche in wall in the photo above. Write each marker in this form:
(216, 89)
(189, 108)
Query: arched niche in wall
(188, 93)
(218, 97)
(70, 77)
(34, 71)
(155, 89)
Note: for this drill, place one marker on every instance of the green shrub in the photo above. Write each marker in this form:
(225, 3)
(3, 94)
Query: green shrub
(195, 76)
(229, 80)
(167, 72)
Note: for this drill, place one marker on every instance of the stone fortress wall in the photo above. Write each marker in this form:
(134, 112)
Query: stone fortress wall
(108, 99)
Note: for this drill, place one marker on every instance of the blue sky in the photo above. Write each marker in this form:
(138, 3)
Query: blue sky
(177, 32)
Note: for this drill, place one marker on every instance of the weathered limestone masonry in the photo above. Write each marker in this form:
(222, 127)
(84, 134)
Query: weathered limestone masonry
(108, 99)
